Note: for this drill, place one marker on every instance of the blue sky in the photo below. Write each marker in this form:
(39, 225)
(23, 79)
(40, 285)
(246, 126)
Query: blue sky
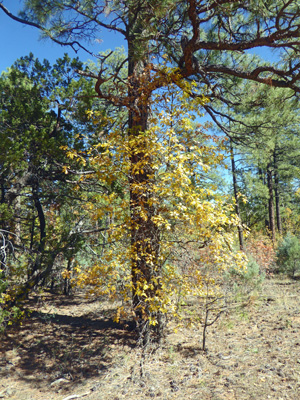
(19, 40)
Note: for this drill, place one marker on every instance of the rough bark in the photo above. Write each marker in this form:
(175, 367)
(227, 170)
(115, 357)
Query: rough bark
(144, 232)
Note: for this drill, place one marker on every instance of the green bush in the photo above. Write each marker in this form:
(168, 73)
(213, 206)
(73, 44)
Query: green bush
(245, 280)
(8, 315)
(288, 255)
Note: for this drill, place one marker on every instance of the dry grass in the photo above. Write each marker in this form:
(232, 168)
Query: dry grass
(71, 347)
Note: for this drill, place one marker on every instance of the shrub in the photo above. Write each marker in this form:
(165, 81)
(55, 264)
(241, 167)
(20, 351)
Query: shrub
(288, 255)
(8, 314)
(260, 248)
(245, 280)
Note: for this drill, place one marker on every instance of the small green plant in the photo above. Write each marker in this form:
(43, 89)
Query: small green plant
(288, 255)
(244, 281)
(171, 355)
(8, 314)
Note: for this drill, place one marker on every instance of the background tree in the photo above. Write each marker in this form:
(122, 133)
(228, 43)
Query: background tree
(268, 145)
(38, 203)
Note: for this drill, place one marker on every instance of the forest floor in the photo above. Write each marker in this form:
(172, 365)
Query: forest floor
(70, 348)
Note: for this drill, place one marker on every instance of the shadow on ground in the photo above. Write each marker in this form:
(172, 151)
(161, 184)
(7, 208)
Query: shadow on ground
(53, 345)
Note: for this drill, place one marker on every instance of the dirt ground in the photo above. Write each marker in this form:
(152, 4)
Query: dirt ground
(70, 348)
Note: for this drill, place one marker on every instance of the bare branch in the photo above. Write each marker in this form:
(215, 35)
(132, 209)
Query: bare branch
(75, 45)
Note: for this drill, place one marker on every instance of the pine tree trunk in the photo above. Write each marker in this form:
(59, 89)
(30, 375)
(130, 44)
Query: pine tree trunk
(144, 232)
(277, 197)
(271, 203)
(237, 207)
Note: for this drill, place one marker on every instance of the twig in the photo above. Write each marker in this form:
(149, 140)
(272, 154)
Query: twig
(76, 396)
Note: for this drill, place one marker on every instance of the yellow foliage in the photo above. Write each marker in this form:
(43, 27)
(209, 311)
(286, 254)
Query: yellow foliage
(195, 224)
(66, 274)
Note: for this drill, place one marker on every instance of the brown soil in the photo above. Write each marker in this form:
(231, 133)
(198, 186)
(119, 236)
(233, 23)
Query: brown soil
(70, 348)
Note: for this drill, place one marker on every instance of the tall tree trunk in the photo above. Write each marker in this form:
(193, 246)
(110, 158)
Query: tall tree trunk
(17, 228)
(144, 232)
(262, 177)
(271, 202)
(237, 206)
(277, 197)
(42, 223)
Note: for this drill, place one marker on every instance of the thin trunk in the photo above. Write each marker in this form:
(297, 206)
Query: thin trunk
(277, 198)
(2, 200)
(42, 222)
(41, 217)
(17, 229)
(271, 203)
(32, 232)
(3, 235)
(237, 206)
(262, 177)
(67, 282)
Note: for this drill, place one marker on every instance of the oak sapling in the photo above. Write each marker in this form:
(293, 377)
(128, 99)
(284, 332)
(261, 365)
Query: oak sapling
(214, 306)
